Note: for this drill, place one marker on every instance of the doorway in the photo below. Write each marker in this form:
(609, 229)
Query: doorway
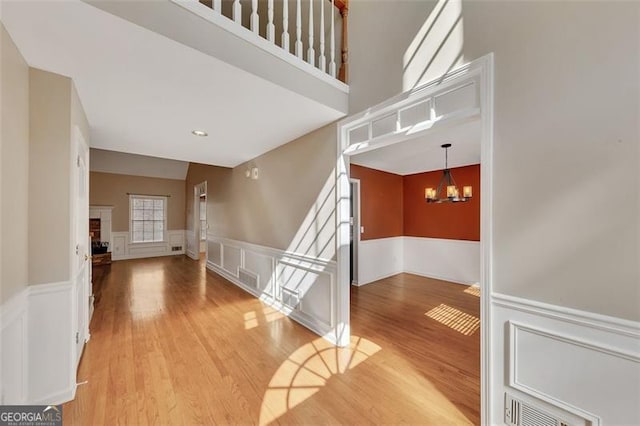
(203, 223)
(465, 93)
(198, 243)
(81, 263)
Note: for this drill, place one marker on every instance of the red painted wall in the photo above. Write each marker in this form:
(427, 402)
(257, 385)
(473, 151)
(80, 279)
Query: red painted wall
(394, 205)
(454, 221)
(381, 202)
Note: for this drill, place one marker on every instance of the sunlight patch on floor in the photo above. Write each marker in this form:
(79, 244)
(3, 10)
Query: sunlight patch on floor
(147, 289)
(307, 370)
(251, 319)
(457, 320)
(473, 290)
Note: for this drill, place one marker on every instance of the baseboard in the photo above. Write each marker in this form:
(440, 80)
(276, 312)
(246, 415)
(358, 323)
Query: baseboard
(376, 279)
(147, 256)
(442, 278)
(193, 255)
(57, 398)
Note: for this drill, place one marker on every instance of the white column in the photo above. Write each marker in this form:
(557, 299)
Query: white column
(217, 6)
(285, 25)
(298, 46)
(332, 62)
(271, 29)
(255, 21)
(322, 59)
(311, 53)
(237, 12)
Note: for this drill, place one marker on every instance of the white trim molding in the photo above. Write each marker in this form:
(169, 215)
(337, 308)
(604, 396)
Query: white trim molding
(379, 258)
(456, 97)
(38, 345)
(13, 335)
(562, 313)
(582, 365)
(124, 249)
(300, 286)
(456, 261)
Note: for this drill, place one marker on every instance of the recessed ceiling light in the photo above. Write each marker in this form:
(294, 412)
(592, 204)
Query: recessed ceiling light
(200, 133)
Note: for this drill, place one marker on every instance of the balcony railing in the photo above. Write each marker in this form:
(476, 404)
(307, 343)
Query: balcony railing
(271, 20)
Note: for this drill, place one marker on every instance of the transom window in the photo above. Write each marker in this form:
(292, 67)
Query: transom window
(148, 218)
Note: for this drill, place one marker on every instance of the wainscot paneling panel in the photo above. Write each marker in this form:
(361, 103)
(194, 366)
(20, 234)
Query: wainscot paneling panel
(300, 286)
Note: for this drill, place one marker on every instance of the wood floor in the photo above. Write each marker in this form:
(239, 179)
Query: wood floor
(174, 344)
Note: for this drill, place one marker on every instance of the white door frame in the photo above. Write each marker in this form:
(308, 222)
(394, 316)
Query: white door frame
(198, 189)
(81, 254)
(356, 229)
(481, 73)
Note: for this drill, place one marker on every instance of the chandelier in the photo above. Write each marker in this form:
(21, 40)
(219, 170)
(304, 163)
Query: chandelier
(446, 181)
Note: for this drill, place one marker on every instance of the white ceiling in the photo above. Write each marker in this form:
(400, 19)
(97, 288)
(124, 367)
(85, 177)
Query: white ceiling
(136, 165)
(424, 153)
(143, 93)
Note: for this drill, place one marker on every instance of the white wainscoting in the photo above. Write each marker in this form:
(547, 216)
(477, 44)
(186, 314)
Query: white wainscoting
(581, 366)
(192, 245)
(13, 332)
(300, 286)
(123, 248)
(379, 258)
(457, 261)
(38, 345)
(449, 260)
(51, 342)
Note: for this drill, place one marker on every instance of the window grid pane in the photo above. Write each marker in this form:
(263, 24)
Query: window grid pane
(147, 217)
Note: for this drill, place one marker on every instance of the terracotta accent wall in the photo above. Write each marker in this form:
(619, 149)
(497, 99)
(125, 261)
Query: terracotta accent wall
(460, 221)
(381, 202)
(394, 205)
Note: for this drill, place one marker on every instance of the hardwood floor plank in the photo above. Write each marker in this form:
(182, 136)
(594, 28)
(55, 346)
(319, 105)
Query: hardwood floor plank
(174, 344)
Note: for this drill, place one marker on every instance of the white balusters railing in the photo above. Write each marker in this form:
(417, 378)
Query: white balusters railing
(332, 63)
(326, 59)
(285, 25)
(298, 46)
(322, 62)
(311, 53)
(237, 12)
(255, 21)
(271, 28)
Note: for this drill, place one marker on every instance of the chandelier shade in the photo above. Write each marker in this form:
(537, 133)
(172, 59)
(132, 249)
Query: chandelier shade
(447, 190)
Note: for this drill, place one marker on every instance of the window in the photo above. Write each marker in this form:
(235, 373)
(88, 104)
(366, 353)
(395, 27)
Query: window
(203, 217)
(148, 215)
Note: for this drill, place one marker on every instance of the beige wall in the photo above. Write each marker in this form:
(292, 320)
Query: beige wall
(14, 170)
(566, 159)
(271, 211)
(49, 177)
(111, 190)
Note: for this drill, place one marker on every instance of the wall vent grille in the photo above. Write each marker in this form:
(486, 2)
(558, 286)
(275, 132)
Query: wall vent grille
(176, 248)
(290, 297)
(520, 413)
(248, 278)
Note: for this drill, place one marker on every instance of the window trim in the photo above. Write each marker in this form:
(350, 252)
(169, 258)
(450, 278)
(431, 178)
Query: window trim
(164, 221)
